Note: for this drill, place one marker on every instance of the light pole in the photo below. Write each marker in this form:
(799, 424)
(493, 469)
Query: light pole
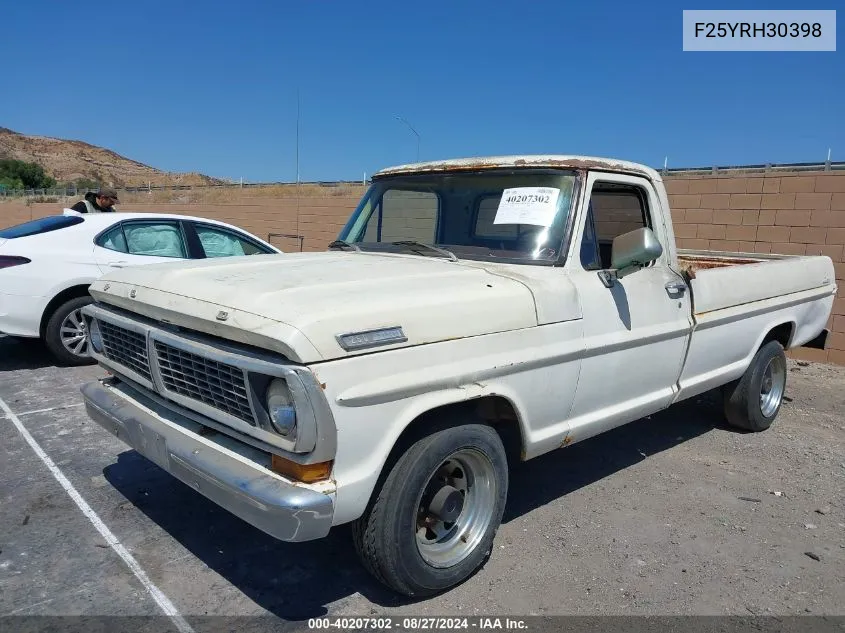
(411, 127)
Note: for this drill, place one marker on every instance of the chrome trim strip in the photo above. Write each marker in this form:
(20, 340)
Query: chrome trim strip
(730, 314)
(352, 347)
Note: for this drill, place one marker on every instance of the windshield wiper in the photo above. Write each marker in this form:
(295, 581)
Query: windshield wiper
(429, 247)
(343, 244)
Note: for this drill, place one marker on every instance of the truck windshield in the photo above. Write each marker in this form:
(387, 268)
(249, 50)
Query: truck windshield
(517, 216)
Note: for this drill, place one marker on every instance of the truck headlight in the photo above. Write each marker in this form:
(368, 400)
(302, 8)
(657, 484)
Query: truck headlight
(95, 336)
(281, 408)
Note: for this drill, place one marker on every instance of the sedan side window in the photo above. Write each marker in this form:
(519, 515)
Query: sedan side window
(217, 242)
(159, 239)
(113, 240)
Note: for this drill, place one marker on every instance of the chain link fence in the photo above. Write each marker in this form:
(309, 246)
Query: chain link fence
(71, 192)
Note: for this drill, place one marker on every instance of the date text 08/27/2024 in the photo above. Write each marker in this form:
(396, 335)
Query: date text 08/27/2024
(412, 623)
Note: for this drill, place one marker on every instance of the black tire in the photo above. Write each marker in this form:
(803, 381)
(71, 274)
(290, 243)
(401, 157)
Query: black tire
(742, 398)
(53, 337)
(385, 536)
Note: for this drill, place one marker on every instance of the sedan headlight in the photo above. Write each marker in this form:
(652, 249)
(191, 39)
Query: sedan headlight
(281, 408)
(95, 336)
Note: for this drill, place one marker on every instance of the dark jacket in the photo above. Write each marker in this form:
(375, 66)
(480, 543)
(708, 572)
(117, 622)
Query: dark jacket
(90, 197)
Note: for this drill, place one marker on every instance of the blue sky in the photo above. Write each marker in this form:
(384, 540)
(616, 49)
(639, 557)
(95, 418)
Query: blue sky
(211, 86)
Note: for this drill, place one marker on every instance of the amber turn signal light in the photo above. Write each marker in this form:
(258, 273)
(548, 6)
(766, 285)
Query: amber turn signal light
(306, 473)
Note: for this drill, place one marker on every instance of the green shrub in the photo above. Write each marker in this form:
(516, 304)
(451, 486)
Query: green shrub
(23, 175)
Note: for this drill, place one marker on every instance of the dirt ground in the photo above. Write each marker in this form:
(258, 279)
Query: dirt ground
(676, 514)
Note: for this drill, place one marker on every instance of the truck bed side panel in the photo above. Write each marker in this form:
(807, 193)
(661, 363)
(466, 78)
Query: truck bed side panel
(724, 341)
(720, 288)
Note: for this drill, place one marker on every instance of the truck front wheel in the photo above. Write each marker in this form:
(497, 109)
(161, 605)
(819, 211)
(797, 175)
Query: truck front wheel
(752, 403)
(433, 521)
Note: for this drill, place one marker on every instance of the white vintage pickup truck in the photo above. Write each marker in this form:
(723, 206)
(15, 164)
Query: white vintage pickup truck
(472, 312)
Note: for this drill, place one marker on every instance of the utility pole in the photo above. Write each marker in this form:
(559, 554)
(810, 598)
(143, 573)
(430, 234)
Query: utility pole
(297, 166)
(410, 127)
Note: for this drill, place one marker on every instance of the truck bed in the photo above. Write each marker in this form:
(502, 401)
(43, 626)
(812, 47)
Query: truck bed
(737, 298)
(721, 280)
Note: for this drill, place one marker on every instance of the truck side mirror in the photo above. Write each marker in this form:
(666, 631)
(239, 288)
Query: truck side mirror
(630, 252)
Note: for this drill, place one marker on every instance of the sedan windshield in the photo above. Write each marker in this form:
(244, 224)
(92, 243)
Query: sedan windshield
(517, 216)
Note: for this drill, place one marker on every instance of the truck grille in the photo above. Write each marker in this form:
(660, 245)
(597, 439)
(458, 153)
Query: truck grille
(126, 347)
(216, 384)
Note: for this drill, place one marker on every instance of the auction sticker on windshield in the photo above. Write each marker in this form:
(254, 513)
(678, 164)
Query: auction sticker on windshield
(528, 205)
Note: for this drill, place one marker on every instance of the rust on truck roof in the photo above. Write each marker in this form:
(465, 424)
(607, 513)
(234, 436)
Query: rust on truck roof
(556, 161)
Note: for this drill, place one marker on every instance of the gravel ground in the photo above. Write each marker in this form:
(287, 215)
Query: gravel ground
(675, 514)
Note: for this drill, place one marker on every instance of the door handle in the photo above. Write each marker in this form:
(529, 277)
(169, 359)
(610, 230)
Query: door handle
(117, 264)
(676, 287)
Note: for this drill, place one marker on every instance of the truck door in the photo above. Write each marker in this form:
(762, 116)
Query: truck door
(636, 332)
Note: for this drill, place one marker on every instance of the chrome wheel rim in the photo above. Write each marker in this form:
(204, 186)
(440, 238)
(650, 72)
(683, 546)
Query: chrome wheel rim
(74, 334)
(772, 386)
(466, 481)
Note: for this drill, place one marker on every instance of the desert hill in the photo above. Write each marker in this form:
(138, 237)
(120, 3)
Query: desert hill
(68, 161)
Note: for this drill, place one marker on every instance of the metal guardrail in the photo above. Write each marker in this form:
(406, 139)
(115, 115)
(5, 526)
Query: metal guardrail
(766, 168)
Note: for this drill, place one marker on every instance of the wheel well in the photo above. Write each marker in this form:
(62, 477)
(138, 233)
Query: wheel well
(65, 295)
(782, 334)
(496, 411)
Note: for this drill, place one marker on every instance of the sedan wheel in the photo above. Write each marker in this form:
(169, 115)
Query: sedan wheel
(74, 334)
(66, 334)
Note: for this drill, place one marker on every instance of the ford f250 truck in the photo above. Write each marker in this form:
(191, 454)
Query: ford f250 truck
(471, 313)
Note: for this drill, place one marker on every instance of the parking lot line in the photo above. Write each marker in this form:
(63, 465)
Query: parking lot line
(48, 409)
(161, 600)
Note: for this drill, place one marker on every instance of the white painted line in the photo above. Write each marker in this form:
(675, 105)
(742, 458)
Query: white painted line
(47, 410)
(161, 600)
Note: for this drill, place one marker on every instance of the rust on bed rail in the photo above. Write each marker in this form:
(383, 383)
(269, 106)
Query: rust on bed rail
(691, 263)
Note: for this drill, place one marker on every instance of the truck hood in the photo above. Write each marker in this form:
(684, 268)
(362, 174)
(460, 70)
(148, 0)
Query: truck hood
(298, 303)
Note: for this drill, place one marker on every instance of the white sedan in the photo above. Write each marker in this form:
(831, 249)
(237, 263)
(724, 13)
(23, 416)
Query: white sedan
(46, 266)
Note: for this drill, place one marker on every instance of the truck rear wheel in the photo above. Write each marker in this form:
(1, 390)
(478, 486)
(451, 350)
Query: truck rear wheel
(752, 403)
(433, 521)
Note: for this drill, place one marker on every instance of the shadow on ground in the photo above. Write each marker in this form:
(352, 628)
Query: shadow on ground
(23, 353)
(298, 581)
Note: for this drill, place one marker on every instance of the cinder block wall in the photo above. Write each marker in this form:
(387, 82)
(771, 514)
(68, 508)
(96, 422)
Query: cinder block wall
(793, 213)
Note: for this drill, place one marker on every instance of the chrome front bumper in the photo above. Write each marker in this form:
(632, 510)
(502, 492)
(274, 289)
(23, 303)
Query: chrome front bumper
(223, 470)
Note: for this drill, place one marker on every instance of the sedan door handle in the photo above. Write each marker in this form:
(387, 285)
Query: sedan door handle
(676, 287)
(118, 264)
